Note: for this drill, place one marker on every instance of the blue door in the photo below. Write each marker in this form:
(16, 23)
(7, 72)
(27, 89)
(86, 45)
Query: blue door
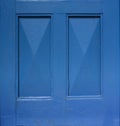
(59, 62)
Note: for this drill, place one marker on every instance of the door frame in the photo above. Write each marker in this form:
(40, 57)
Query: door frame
(7, 64)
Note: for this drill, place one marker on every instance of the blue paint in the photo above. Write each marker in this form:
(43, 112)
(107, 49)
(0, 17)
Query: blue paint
(42, 44)
(84, 56)
(34, 57)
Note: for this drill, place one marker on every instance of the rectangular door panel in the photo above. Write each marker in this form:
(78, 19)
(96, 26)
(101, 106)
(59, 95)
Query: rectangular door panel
(84, 55)
(34, 56)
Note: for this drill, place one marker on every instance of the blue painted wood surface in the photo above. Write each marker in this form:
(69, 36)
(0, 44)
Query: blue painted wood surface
(59, 63)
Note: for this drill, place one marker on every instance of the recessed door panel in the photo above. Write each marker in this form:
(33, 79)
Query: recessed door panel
(34, 56)
(84, 56)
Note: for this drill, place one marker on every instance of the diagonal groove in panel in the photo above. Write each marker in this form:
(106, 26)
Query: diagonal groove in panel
(35, 52)
(74, 45)
(75, 32)
(28, 53)
(32, 28)
(42, 65)
(40, 51)
(87, 81)
(84, 39)
(87, 67)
